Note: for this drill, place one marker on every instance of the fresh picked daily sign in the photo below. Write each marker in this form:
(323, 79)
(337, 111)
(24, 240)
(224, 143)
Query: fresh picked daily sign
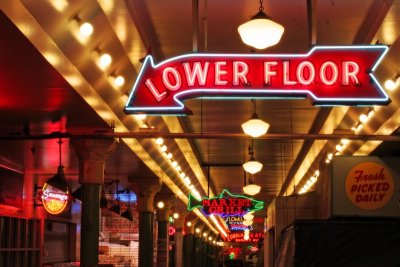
(226, 204)
(327, 75)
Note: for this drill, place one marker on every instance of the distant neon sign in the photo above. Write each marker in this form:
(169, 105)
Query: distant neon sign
(54, 201)
(327, 75)
(235, 223)
(239, 237)
(226, 204)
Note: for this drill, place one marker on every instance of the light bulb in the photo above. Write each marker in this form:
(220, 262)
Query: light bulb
(86, 29)
(119, 80)
(105, 60)
(159, 141)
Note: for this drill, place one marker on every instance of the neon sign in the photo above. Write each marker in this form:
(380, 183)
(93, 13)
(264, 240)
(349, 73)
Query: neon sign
(54, 201)
(235, 223)
(226, 204)
(239, 237)
(327, 75)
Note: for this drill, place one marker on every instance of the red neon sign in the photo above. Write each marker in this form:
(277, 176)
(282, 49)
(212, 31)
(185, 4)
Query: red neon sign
(54, 201)
(239, 237)
(327, 75)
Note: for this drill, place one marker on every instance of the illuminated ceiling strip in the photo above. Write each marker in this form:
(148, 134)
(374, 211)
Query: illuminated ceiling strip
(388, 128)
(337, 114)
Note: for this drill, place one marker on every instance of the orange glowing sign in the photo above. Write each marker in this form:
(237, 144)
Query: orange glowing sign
(54, 201)
(369, 185)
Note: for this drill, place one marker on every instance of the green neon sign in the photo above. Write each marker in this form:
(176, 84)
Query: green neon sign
(226, 204)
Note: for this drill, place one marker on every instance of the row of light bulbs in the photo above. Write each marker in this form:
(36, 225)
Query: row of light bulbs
(362, 120)
(339, 148)
(86, 30)
(175, 215)
(184, 178)
(310, 182)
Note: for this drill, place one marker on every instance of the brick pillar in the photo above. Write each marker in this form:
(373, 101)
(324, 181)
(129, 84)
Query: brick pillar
(91, 154)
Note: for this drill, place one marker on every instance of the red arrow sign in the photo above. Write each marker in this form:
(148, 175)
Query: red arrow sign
(327, 75)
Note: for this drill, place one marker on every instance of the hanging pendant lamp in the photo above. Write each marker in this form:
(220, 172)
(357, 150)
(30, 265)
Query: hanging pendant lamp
(255, 127)
(58, 180)
(252, 166)
(261, 31)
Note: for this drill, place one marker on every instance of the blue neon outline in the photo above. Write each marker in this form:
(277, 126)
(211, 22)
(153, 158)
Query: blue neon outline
(180, 106)
(259, 204)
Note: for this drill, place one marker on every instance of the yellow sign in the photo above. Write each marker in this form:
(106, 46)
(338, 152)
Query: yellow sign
(369, 185)
(54, 201)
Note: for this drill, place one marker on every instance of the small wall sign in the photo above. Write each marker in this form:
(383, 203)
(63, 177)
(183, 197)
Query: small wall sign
(369, 185)
(54, 200)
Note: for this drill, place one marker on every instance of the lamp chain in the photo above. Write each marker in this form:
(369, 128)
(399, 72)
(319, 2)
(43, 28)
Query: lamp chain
(261, 6)
(251, 149)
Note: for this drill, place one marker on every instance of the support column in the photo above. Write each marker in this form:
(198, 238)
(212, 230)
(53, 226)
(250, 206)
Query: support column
(162, 217)
(204, 251)
(197, 246)
(188, 240)
(145, 189)
(91, 154)
(179, 225)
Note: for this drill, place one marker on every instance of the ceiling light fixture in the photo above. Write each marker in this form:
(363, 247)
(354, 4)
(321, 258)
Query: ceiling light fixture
(160, 205)
(58, 180)
(127, 214)
(255, 127)
(251, 189)
(118, 80)
(252, 166)
(104, 59)
(261, 31)
(85, 28)
(390, 84)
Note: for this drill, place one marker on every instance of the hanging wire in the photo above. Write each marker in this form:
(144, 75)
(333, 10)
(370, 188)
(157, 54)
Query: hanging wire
(59, 150)
(208, 181)
(284, 204)
(292, 159)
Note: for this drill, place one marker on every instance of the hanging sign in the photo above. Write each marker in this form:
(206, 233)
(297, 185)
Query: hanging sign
(54, 201)
(327, 75)
(239, 237)
(226, 204)
(235, 223)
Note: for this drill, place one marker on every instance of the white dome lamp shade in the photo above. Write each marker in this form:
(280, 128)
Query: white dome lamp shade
(251, 189)
(252, 166)
(261, 31)
(255, 127)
